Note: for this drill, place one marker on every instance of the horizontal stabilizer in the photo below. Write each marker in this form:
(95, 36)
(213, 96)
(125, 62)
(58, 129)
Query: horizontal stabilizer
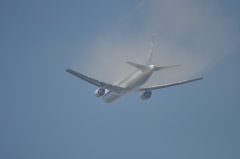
(164, 67)
(140, 67)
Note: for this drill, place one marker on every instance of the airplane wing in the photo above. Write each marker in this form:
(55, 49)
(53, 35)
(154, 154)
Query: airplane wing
(168, 85)
(95, 82)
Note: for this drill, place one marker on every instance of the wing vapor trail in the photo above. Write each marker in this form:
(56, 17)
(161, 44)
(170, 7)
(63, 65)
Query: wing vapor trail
(227, 51)
(130, 13)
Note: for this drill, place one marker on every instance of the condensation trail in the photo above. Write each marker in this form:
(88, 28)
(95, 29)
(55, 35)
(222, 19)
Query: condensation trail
(130, 13)
(227, 51)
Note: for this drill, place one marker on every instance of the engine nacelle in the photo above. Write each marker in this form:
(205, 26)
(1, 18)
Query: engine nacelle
(145, 95)
(99, 92)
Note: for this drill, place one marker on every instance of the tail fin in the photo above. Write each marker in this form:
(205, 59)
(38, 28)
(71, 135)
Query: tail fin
(150, 53)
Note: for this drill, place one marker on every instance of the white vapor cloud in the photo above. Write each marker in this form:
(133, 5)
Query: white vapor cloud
(192, 33)
(130, 13)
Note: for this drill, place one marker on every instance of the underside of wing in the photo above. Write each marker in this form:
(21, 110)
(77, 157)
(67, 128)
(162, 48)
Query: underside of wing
(95, 82)
(168, 85)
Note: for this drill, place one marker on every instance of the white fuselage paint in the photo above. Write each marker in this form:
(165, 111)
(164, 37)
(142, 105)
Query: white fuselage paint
(131, 85)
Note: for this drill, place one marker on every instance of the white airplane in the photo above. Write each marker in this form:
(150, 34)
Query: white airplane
(132, 83)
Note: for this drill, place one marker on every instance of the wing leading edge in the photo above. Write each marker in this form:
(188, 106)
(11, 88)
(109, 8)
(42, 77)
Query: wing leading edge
(95, 82)
(168, 85)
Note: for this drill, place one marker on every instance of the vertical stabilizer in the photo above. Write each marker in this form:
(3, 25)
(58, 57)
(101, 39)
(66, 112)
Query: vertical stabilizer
(150, 53)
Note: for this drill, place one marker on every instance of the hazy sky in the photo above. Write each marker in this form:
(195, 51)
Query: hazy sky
(46, 112)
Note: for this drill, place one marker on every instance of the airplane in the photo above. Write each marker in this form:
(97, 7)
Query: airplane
(131, 83)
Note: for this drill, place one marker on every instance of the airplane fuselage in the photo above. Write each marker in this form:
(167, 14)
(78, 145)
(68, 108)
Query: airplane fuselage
(131, 85)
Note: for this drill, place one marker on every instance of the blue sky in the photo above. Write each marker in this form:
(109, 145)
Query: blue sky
(47, 113)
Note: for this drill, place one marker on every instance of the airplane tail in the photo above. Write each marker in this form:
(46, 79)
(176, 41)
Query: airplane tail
(144, 67)
(139, 66)
(150, 53)
(149, 60)
(164, 67)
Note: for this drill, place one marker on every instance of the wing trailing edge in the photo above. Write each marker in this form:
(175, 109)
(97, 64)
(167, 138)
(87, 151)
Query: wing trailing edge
(168, 85)
(95, 82)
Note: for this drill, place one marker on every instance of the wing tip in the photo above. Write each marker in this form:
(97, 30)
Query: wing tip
(68, 69)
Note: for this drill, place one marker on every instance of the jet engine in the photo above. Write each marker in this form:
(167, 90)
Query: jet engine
(99, 92)
(145, 95)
